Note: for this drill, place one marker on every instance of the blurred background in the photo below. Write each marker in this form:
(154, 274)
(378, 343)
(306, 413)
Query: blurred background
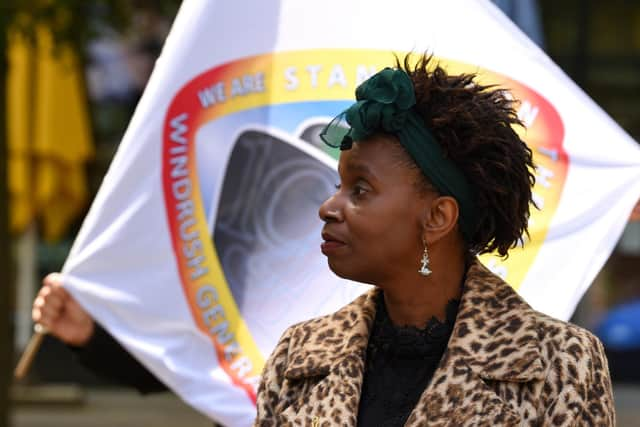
(74, 71)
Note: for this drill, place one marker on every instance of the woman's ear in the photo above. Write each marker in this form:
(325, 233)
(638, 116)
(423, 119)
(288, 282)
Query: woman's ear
(441, 218)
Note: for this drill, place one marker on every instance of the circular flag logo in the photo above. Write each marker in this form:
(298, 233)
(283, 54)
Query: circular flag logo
(244, 173)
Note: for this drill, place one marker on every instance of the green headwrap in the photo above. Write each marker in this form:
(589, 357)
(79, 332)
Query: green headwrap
(384, 104)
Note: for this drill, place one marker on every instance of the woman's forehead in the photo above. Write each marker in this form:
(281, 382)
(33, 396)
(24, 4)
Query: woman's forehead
(377, 156)
(362, 157)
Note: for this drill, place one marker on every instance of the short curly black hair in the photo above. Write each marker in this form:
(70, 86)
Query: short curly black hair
(474, 124)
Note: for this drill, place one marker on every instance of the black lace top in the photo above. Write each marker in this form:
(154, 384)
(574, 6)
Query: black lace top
(400, 364)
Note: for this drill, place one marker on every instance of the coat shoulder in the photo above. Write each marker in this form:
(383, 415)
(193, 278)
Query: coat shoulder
(310, 349)
(560, 339)
(577, 384)
(328, 331)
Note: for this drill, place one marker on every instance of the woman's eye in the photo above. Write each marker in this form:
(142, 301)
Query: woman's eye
(337, 186)
(359, 190)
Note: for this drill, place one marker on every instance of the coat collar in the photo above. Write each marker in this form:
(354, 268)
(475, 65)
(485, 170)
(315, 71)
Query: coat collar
(330, 352)
(490, 312)
(491, 319)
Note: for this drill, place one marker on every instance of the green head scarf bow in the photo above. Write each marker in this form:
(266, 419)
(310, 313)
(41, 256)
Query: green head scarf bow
(384, 103)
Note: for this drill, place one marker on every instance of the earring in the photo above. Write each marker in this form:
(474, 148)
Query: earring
(424, 268)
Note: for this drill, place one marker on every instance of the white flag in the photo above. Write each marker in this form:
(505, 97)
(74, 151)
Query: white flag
(202, 244)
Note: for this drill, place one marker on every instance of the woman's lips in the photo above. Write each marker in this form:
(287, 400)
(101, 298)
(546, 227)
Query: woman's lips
(330, 244)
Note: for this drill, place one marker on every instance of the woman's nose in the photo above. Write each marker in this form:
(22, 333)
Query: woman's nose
(330, 210)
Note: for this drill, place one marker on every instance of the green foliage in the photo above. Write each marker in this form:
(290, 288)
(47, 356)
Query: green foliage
(79, 21)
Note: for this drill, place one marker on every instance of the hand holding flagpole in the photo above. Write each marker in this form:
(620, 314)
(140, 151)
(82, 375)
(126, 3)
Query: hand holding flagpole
(57, 313)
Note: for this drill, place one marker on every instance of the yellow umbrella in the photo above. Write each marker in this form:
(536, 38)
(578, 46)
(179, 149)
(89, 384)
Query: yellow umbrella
(49, 135)
(19, 94)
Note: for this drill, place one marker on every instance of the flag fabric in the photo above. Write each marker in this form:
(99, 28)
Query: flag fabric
(49, 135)
(201, 246)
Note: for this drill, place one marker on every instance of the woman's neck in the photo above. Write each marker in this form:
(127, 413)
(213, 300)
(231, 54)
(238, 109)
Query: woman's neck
(412, 300)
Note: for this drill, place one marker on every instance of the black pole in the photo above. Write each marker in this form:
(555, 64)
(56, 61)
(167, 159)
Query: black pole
(6, 266)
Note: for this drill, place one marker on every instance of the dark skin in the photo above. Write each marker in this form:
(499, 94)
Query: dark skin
(375, 226)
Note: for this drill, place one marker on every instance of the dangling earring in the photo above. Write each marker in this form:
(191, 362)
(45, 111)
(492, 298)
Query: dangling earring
(424, 268)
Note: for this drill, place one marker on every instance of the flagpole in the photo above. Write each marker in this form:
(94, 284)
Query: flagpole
(6, 270)
(29, 353)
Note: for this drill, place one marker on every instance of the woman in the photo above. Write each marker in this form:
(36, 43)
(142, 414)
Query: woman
(432, 174)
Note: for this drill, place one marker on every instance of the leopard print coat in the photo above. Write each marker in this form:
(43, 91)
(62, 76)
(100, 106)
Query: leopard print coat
(505, 365)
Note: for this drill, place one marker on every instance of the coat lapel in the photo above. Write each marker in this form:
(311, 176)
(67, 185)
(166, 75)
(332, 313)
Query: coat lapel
(329, 361)
(494, 340)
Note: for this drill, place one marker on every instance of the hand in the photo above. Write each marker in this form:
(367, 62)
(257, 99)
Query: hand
(56, 310)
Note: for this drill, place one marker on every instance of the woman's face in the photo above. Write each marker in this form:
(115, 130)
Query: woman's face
(373, 223)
